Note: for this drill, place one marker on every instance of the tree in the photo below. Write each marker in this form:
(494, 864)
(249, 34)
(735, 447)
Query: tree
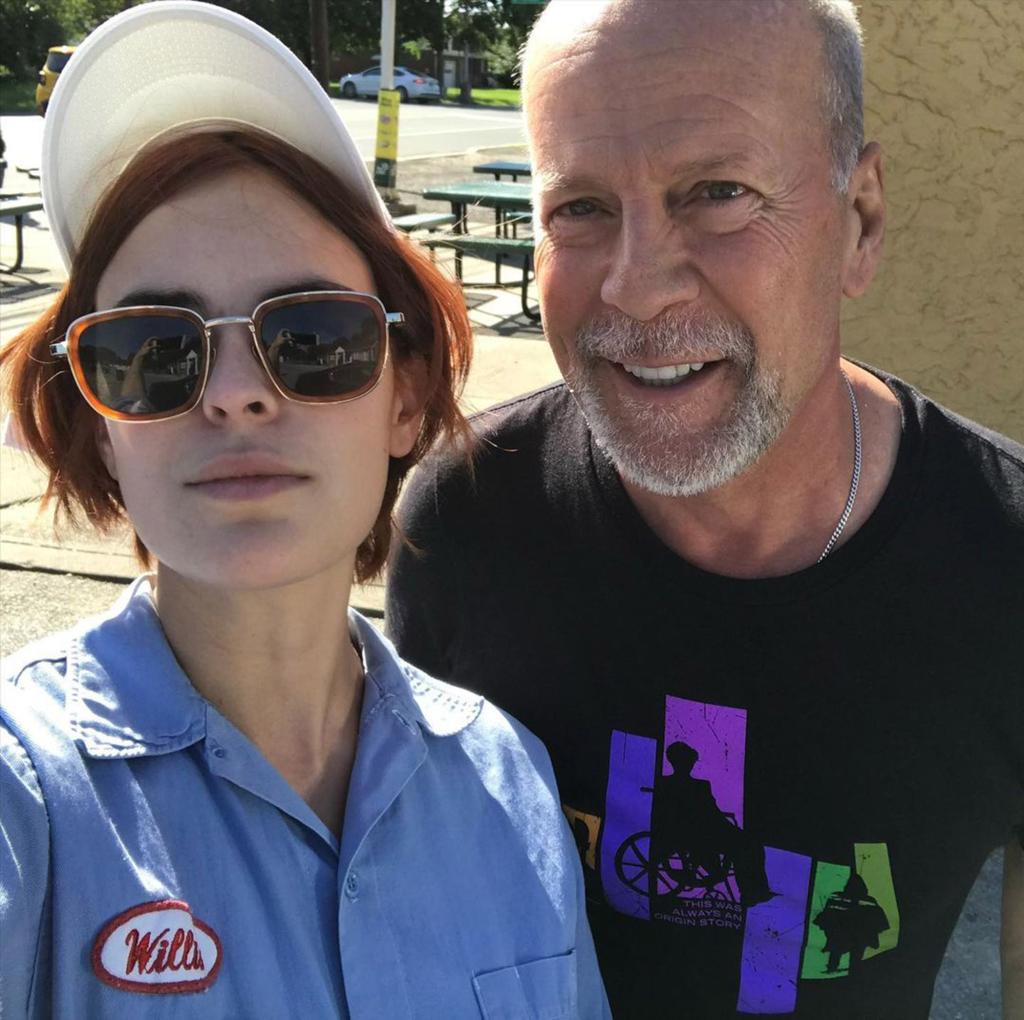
(26, 32)
(28, 28)
(518, 20)
(289, 20)
(320, 43)
(496, 27)
(422, 21)
(471, 24)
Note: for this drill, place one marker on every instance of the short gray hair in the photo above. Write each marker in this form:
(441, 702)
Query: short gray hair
(844, 90)
(843, 58)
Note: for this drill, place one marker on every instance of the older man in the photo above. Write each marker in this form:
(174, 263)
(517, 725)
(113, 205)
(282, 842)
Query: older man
(764, 604)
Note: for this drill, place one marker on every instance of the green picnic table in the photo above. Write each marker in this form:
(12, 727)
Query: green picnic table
(504, 168)
(504, 198)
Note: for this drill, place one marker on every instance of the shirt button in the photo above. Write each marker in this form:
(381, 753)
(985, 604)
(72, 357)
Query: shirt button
(352, 885)
(219, 752)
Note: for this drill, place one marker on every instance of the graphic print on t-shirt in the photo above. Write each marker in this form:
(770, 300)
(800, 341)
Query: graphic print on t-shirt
(673, 849)
(585, 829)
(853, 913)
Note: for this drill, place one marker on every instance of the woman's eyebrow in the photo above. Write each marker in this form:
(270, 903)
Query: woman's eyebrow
(173, 298)
(190, 299)
(299, 286)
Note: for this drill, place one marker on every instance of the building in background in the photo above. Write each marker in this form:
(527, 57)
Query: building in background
(944, 95)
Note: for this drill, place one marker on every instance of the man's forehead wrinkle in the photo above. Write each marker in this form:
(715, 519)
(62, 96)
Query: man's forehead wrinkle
(596, 53)
(699, 138)
(763, 39)
(568, 75)
(560, 59)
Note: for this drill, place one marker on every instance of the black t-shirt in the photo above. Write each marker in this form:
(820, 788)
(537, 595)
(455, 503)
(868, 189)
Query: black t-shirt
(782, 789)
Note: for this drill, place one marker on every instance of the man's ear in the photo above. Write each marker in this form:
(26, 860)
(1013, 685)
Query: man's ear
(408, 403)
(106, 448)
(865, 222)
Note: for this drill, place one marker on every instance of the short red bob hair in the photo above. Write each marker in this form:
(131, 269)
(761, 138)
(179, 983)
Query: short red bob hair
(60, 427)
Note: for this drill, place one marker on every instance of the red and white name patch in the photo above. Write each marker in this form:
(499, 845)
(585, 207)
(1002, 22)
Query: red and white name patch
(158, 948)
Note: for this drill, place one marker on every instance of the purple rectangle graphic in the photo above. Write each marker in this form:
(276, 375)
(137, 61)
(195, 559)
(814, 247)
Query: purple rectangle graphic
(719, 736)
(774, 936)
(625, 842)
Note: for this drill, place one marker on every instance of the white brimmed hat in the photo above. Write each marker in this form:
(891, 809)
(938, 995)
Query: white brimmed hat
(159, 67)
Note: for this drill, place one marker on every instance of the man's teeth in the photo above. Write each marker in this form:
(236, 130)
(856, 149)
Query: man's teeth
(666, 375)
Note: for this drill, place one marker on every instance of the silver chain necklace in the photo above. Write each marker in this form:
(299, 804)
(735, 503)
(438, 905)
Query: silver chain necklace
(855, 480)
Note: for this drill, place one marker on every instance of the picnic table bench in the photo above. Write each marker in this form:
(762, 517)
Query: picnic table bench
(503, 167)
(423, 221)
(18, 208)
(515, 249)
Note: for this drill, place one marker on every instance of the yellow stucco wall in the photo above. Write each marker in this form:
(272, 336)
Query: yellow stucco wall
(944, 94)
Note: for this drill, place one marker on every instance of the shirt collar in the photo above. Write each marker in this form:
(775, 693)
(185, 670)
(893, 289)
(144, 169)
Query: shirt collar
(439, 708)
(128, 696)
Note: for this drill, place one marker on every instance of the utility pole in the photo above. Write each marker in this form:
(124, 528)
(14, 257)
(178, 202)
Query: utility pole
(387, 44)
(385, 163)
(319, 39)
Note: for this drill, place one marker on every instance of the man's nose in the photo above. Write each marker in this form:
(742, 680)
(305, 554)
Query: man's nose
(651, 267)
(238, 386)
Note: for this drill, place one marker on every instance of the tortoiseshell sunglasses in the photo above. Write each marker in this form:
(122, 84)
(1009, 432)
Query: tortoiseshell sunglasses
(151, 362)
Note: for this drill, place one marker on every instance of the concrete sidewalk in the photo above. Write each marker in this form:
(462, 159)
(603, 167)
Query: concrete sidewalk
(511, 357)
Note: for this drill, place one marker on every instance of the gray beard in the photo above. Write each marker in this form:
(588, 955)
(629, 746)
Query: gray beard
(653, 447)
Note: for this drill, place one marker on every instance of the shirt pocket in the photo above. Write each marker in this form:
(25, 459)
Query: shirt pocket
(542, 989)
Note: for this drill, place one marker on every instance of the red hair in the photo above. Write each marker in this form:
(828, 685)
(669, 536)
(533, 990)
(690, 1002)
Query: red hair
(60, 427)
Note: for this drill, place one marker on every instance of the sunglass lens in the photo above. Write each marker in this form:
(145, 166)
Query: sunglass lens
(323, 348)
(142, 364)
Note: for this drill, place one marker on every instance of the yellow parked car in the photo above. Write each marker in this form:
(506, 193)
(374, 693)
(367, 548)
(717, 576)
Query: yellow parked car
(56, 58)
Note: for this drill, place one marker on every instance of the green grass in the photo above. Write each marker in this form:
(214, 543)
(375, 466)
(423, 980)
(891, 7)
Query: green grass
(17, 96)
(506, 98)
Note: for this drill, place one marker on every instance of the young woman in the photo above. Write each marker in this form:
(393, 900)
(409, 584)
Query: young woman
(223, 798)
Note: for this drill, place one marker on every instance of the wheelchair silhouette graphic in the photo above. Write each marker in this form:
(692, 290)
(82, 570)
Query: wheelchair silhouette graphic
(692, 848)
(672, 872)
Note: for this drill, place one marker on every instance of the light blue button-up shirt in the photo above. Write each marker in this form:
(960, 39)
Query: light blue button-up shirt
(154, 864)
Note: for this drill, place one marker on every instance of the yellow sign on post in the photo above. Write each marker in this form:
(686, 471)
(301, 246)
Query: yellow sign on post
(386, 154)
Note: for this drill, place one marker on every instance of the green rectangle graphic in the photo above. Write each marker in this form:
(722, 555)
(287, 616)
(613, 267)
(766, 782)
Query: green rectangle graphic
(872, 863)
(821, 960)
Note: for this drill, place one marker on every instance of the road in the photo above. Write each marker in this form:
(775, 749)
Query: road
(422, 130)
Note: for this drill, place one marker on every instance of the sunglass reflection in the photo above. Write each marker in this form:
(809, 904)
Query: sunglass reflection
(161, 373)
(314, 355)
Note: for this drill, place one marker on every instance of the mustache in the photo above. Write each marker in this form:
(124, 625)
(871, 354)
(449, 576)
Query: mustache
(616, 336)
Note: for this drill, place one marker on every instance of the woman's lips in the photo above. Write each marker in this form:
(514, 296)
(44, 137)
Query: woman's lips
(242, 487)
(251, 474)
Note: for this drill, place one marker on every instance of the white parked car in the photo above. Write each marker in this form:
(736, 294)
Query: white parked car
(408, 85)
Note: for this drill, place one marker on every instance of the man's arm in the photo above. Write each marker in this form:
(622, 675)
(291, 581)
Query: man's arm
(1012, 942)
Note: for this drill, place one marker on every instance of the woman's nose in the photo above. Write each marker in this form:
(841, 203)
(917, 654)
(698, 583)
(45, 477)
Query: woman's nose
(238, 387)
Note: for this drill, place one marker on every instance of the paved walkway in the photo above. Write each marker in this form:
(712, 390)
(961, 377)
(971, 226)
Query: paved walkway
(511, 357)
